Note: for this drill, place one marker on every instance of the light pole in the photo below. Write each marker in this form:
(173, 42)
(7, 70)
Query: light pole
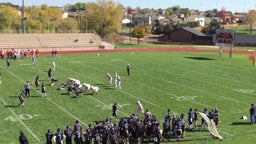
(23, 19)
(86, 25)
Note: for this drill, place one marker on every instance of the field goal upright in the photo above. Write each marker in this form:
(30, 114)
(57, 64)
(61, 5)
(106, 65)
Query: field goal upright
(225, 38)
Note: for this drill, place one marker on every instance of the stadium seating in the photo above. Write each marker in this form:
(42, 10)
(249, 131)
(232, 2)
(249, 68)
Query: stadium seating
(53, 41)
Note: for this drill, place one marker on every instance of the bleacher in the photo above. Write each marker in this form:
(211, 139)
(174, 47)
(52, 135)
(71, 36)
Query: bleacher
(53, 41)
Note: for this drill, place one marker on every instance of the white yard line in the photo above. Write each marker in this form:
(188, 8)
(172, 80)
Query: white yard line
(131, 95)
(61, 108)
(22, 123)
(98, 101)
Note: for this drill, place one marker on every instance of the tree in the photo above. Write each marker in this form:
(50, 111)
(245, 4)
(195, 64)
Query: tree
(67, 25)
(75, 8)
(168, 12)
(214, 25)
(104, 17)
(250, 19)
(185, 11)
(6, 17)
(176, 9)
(206, 30)
(139, 32)
(32, 22)
(158, 30)
(168, 28)
(50, 16)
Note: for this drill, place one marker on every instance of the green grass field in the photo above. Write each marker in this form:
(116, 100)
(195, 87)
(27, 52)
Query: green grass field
(160, 80)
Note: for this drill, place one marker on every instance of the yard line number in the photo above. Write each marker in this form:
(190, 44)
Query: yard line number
(22, 117)
(183, 98)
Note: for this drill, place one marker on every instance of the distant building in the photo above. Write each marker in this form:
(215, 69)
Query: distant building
(197, 18)
(186, 35)
(226, 17)
(238, 17)
(142, 20)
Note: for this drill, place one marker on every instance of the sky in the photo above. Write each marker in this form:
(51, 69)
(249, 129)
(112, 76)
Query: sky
(229, 5)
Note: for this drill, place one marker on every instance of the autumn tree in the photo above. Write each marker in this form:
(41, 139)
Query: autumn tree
(67, 25)
(50, 17)
(104, 17)
(75, 8)
(9, 18)
(169, 11)
(32, 22)
(139, 32)
(250, 19)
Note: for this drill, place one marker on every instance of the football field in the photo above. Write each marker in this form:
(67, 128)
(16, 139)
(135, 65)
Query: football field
(159, 80)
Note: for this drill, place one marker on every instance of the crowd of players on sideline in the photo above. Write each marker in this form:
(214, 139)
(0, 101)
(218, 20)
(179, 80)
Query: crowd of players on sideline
(135, 128)
(143, 127)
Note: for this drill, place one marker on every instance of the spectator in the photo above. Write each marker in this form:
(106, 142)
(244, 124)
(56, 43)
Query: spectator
(53, 66)
(59, 137)
(195, 118)
(43, 89)
(147, 115)
(252, 114)
(37, 52)
(158, 134)
(69, 134)
(204, 124)
(33, 58)
(22, 99)
(168, 116)
(183, 125)
(52, 53)
(115, 79)
(78, 131)
(49, 136)
(23, 139)
(216, 117)
(119, 82)
(37, 81)
(114, 111)
(109, 79)
(8, 63)
(88, 135)
(190, 118)
(50, 73)
(128, 68)
(27, 89)
(55, 52)
(140, 108)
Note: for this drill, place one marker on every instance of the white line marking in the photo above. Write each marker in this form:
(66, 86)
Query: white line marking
(29, 130)
(51, 101)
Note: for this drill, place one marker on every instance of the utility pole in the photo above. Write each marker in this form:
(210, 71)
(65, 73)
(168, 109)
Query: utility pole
(23, 19)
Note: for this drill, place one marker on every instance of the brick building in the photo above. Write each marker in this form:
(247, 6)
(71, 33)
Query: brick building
(186, 35)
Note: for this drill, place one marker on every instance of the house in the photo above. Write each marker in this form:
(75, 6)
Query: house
(176, 19)
(197, 18)
(65, 15)
(238, 17)
(186, 35)
(142, 20)
(226, 17)
(155, 17)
